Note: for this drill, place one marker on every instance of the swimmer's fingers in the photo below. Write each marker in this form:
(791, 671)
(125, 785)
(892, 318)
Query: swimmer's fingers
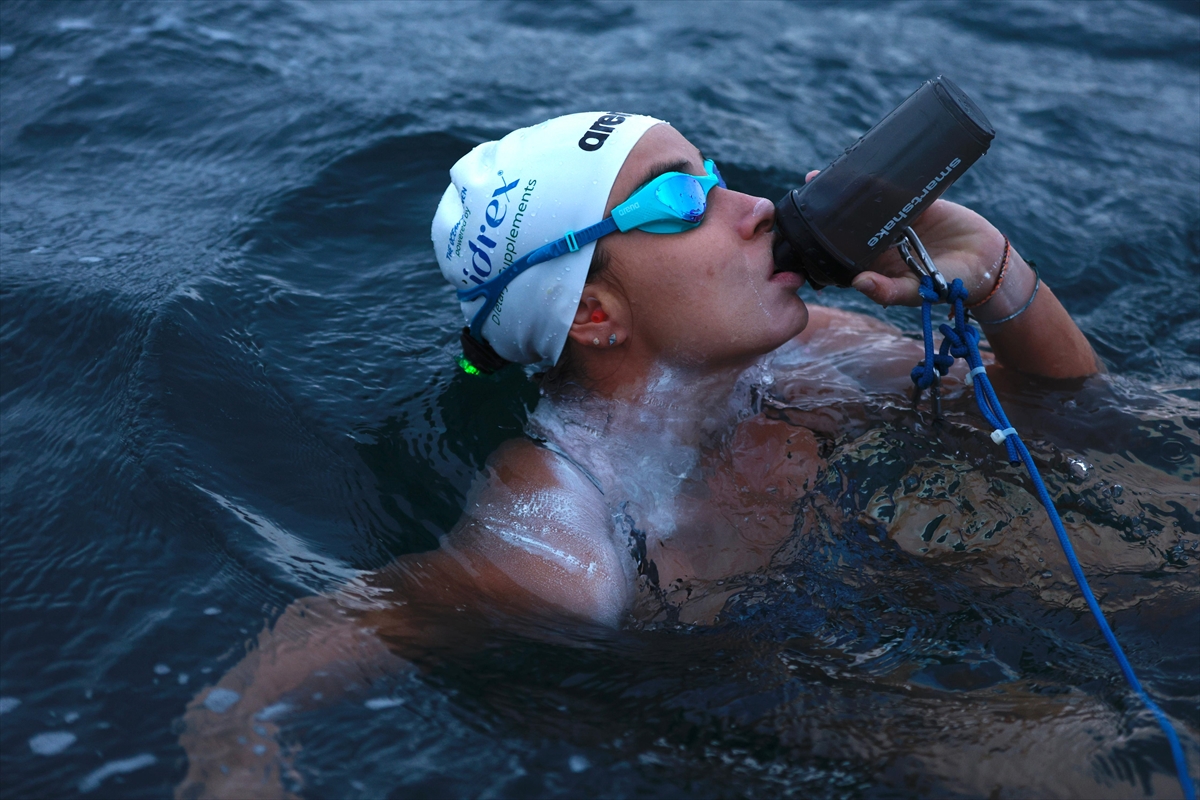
(889, 291)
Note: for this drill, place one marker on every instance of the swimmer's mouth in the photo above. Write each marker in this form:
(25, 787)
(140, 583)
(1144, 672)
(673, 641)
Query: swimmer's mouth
(782, 258)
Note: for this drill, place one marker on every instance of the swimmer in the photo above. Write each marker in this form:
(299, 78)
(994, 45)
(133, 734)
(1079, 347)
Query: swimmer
(648, 468)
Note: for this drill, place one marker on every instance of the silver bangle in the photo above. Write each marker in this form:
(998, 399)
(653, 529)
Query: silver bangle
(1037, 281)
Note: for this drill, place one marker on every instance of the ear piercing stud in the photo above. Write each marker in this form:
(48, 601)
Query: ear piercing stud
(595, 341)
(612, 339)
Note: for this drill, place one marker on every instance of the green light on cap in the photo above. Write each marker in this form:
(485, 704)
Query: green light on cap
(468, 367)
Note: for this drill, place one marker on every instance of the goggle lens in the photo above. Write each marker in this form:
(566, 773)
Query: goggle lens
(684, 196)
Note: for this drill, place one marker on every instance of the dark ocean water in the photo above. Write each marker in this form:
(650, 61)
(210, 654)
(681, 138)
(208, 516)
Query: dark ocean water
(227, 382)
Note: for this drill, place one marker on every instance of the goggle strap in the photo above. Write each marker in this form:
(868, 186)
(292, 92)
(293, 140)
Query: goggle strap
(496, 286)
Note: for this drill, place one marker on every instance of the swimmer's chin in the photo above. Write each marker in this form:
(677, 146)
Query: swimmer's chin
(802, 314)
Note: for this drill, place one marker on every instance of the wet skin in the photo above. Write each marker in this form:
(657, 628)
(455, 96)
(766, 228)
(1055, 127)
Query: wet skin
(689, 314)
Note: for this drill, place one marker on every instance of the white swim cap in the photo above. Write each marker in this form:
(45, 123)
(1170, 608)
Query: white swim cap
(509, 197)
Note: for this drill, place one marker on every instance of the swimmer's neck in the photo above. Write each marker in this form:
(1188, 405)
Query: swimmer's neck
(684, 404)
(682, 382)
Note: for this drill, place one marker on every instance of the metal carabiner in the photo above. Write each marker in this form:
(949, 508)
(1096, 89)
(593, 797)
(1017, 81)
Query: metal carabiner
(922, 264)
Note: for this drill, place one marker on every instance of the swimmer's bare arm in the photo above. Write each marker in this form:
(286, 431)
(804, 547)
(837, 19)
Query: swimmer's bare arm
(535, 541)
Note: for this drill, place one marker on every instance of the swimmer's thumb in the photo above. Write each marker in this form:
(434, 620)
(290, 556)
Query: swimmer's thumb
(865, 283)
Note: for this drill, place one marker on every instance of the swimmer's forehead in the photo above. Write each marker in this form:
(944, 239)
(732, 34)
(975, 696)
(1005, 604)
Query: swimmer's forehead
(661, 149)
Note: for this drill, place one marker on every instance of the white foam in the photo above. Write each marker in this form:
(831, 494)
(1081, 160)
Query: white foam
(98, 776)
(273, 711)
(377, 703)
(161, 669)
(221, 700)
(52, 743)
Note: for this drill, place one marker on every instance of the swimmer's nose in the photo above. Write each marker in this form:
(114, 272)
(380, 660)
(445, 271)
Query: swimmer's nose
(755, 215)
(758, 216)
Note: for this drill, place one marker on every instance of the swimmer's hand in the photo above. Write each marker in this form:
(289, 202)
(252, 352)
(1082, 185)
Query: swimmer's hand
(1043, 340)
(230, 731)
(962, 245)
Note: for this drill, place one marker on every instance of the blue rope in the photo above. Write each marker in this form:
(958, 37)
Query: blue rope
(962, 341)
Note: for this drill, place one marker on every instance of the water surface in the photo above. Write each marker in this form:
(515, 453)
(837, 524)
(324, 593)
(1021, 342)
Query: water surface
(228, 382)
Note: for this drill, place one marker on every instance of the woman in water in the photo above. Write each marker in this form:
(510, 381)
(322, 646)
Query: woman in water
(649, 468)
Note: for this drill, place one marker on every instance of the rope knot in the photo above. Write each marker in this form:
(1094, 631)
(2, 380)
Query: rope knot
(928, 292)
(958, 292)
(923, 376)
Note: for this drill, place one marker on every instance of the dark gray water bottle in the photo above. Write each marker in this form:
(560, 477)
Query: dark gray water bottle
(834, 226)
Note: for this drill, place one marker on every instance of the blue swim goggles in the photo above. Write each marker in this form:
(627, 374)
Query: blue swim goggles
(673, 202)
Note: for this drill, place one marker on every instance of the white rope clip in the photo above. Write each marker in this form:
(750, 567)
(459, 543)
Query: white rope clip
(971, 375)
(998, 436)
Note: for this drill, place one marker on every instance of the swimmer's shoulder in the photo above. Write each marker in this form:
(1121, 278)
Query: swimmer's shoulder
(535, 521)
(528, 465)
(823, 320)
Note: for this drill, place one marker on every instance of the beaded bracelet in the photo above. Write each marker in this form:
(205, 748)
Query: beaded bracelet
(1037, 282)
(999, 278)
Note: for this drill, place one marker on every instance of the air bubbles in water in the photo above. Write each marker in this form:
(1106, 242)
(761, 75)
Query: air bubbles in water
(1078, 467)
